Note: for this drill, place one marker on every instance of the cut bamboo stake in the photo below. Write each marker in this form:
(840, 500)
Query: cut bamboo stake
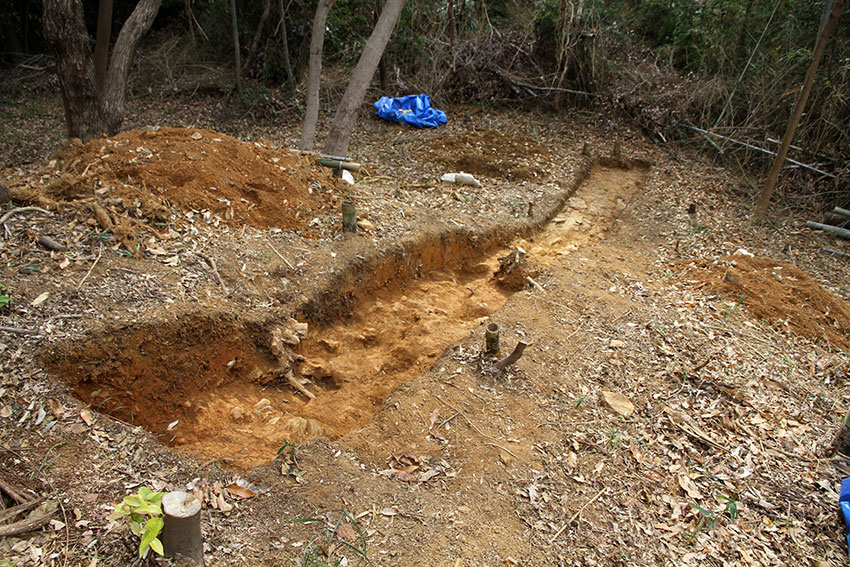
(181, 530)
(513, 357)
(837, 231)
(831, 23)
(836, 252)
(841, 211)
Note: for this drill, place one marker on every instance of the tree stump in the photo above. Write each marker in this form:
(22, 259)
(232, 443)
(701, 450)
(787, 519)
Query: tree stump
(181, 530)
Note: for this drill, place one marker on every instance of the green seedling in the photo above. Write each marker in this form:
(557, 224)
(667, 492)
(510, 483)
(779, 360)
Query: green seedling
(731, 506)
(144, 512)
(5, 295)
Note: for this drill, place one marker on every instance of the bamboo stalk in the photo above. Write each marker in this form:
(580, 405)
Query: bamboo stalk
(840, 232)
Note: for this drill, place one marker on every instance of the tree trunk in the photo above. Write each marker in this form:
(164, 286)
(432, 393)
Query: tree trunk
(290, 78)
(346, 113)
(252, 51)
(132, 32)
(65, 33)
(101, 46)
(833, 17)
(237, 57)
(90, 114)
(314, 75)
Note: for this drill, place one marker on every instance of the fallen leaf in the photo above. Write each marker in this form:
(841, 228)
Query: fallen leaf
(635, 451)
(346, 531)
(64, 263)
(40, 299)
(240, 491)
(690, 487)
(56, 408)
(172, 425)
(223, 505)
(389, 512)
(85, 413)
(618, 402)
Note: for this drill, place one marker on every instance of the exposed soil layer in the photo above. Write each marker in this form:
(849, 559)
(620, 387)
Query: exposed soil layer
(212, 387)
(491, 154)
(779, 293)
(139, 177)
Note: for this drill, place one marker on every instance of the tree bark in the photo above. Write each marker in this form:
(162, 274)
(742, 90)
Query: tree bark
(290, 78)
(252, 51)
(237, 57)
(101, 46)
(89, 113)
(65, 33)
(346, 113)
(314, 75)
(181, 530)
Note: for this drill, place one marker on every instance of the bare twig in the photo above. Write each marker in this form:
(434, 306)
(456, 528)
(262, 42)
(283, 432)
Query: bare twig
(96, 260)
(17, 210)
(214, 269)
(16, 330)
(505, 449)
(279, 255)
(31, 523)
(577, 514)
(469, 421)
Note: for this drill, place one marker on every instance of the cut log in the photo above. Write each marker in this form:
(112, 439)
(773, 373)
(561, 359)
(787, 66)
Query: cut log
(840, 211)
(181, 530)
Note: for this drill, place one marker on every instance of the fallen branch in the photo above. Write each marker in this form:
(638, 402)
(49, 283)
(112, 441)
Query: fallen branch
(763, 150)
(577, 514)
(51, 244)
(10, 513)
(536, 285)
(17, 210)
(33, 522)
(513, 357)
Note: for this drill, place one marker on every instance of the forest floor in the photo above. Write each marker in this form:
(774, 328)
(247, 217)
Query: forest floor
(207, 327)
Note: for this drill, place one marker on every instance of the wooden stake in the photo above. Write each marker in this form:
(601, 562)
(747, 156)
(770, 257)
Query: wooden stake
(831, 23)
(181, 530)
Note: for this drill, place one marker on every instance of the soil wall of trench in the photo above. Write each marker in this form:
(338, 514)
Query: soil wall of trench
(219, 384)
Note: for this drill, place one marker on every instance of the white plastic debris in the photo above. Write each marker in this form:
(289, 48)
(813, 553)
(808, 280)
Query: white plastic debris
(347, 177)
(742, 252)
(461, 179)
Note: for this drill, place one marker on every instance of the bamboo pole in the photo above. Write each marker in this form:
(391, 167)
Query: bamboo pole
(837, 231)
(831, 23)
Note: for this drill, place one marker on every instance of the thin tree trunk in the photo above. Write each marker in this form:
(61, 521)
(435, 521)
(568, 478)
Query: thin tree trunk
(314, 75)
(382, 65)
(346, 113)
(830, 24)
(252, 51)
(65, 33)
(237, 57)
(132, 32)
(101, 46)
(452, 26)
(290, 78)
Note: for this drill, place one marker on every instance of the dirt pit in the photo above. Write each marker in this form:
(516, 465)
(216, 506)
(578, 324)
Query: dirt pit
(781, 294)
(236, 390)
(491, 154)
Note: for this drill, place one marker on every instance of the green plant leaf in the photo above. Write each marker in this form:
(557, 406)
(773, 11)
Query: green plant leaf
(136, 527)
(156, 545)
(152, 529)
(133, 501)
(145, 492)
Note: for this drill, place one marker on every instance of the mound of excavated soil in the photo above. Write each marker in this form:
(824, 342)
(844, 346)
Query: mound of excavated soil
(490, 154)
(147, 173)
(781, 294)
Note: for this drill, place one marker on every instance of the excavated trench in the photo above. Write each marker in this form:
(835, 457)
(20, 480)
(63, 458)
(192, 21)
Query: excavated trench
(226, 386)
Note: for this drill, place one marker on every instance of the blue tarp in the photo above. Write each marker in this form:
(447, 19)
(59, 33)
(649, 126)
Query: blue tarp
(412, 109)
